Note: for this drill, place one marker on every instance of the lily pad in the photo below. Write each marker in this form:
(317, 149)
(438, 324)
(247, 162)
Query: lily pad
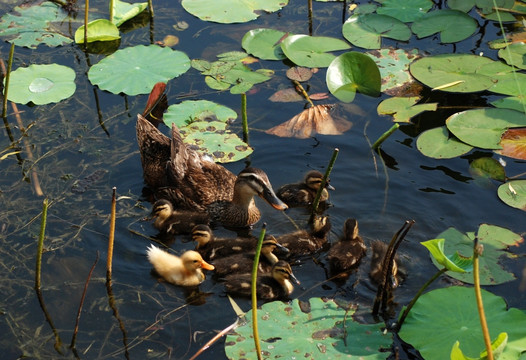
(352, 72)
(367, 31)
(509, 83)
(438, 144)
(453, 313)
(123, 11)
(454, 262)
(514, 54)
(485, 168)
(405, 10)
(511, 102)
(314, 331)
(264, 43)
(135, 70)
(484, 127)
(513, 193)
(311, 51)
(231, 11)
(513, 143)
(41, 84)
(187, 112)
(404, 108)
(31, 25)
(98, 30)
(452, 25)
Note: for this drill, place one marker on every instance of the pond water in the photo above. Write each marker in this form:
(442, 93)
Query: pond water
(67, 144)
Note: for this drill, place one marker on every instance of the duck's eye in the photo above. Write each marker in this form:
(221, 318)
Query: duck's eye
(195, 261)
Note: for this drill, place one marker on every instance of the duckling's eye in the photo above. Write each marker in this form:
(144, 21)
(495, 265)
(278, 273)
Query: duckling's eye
(195, 261)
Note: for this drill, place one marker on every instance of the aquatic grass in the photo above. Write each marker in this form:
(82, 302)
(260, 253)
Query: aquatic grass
(316, 201)
(7, 77)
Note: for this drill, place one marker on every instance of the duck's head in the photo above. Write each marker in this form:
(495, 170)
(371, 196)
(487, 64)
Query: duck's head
(269, 245)
(192, 261)
(252, 181)
(202, 235)
(350, 229)
(313, 180)
(162, 209)
(282, 272)
(321, 224)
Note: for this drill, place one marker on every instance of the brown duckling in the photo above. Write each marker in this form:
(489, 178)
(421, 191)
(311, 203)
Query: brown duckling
(379, 250)
(184, 270)
(174, 222)
(347, 252)
(303, 193)
(304, 242)
(271, 286)
(243, 262)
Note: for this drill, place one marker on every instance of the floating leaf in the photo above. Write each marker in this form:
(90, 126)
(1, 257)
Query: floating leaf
(312, 121)
(454, 317)
(513, 193)
(190, 111)
(438, 144)
(41, 84)
(231, 11)
(497, 347)
(487, 168)
(452, 25)
(512, 102)
(34, 24)
(352, 72)
(299, 73)
(455, 262)
(123, 11)
(264, 43)
(286, 95)
(509, 83)
(404, 108)
(98, 30)
(513, 143)
(405, 10)
(484, 127)
(222, 146)
(367, 31)
(514, 55)
(322, 331)
(135, 70)
(311, 51)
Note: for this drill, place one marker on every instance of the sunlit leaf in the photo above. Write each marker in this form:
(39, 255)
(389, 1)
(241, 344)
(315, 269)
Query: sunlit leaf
(439, 144)
(311, 51)
(509, 83)
(403, 108)
(511, 102)
(514, 55)
(191, 111)
(455, 262)
(98, 30)
(497, 346)
(123, 11)
(513, 193)
(264, 43)
(452, 25)
(405, 10)
(367, 31)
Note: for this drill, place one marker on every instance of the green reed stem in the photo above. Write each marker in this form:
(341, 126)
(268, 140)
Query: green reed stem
(40, 248)
(111, 236)
(150, 6)
(384, 136)
(477, 250)
(86, 12)
(324, 181)
(303, 92)
(7, 76)
(254, 294)
(244, 117)
(111, 10)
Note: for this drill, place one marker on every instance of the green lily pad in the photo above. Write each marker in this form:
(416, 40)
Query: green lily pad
(222, 145)
(438, 144)
(514, 54)
(495, 240)
(497, 348)
(404, 108)
(318, 331)
(454, 317)
(41, 84)
(264, 43)
(405, 10)
(509, 83)
(135, 70)
(513, 193)
(34, 24)
(187, 112)
(512, 102)
(484, 127)
(98, 30)
(231, 11)
(487, 168)
(352, 72)
(311, 51)
(367, 31)
(452, 25)
(456, 262)
(123, 11)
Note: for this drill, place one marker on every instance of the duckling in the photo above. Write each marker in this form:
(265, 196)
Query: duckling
(379, 250)
(347, 252)
(184, 270)
(170, 221)
(274, 285)
(304, 242)
(243, 262)
(304, 193)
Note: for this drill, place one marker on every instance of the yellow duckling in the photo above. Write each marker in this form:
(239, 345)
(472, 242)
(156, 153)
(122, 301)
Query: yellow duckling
(271, 286)
(303, 193)
(347, 252)
(185, 270)
(304, 242)
(379, 250)
(174, 222)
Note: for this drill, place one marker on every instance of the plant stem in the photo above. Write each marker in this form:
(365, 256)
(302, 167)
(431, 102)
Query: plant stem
(303, 92)
(384, 136)
(309, 3)
(40, 248)
(254, 292)
(316, 201)
(86, 11)
(111, 236)
(7, 76)
(111, 10)
(477, 250)
(244, 117)
(150, 6)
(413, 301)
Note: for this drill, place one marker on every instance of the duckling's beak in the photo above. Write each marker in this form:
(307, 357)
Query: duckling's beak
(269, 196)
(207, 266)
(329, 187)
(294, 279)
(282, 248)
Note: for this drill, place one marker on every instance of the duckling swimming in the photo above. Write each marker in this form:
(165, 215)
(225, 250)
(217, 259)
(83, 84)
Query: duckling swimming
(304, 193)
(174, 222)
(304, 242)
(349, 250)
(271, 286)
(184, 270)
(379, 250)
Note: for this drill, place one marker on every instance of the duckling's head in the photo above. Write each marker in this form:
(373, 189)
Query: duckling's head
(253, 181)
(313, 180)
(321, 225)
(350, 229)
(202, 235)
(269, 245)
(192, 261)
(282, 273)
(162, 209)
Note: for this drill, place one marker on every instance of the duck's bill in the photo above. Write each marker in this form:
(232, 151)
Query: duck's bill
(294, 279)
(269, 196)
(282, 248)
(207, 266)
(329, 187)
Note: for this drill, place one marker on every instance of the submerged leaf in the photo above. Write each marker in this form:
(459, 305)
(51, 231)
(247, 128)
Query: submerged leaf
(487, 168)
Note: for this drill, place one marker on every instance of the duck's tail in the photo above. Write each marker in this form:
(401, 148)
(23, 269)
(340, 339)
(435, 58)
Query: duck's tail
(164, 263)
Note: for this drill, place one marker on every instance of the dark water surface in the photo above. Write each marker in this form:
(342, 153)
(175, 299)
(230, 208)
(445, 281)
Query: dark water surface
(68, 144)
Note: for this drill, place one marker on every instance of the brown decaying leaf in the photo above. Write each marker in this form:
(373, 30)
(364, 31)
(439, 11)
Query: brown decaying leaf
(299, 73)
(312, 121)
(286, 95)
(513, 143)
